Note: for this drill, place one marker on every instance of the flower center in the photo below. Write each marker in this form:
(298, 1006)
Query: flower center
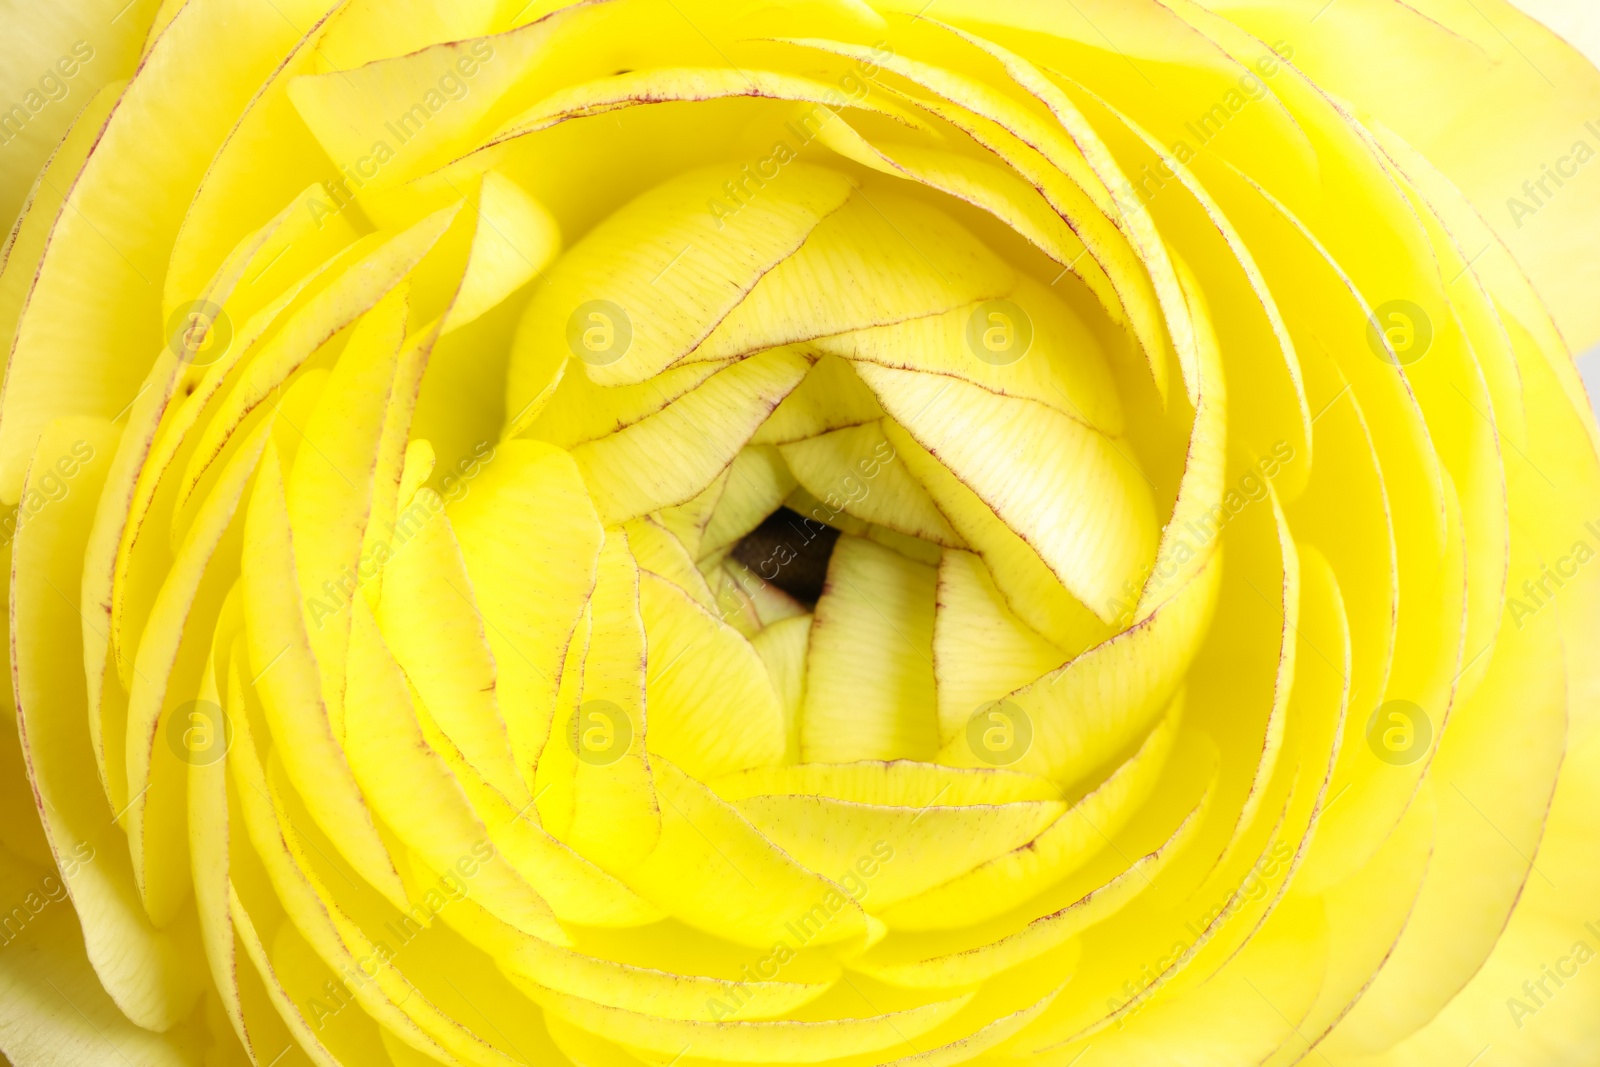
(790, 551)
(851, 415)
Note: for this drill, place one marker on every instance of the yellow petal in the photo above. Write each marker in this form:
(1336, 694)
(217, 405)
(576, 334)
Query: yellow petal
(712, 708)
(506, 532)
(870, 692)
(284, 668)
(154, 976)
(1084, 507)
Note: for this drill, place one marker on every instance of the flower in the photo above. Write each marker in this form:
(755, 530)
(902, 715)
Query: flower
(804, 533)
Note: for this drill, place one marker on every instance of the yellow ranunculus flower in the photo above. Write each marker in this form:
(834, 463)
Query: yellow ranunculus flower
(671, 533)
